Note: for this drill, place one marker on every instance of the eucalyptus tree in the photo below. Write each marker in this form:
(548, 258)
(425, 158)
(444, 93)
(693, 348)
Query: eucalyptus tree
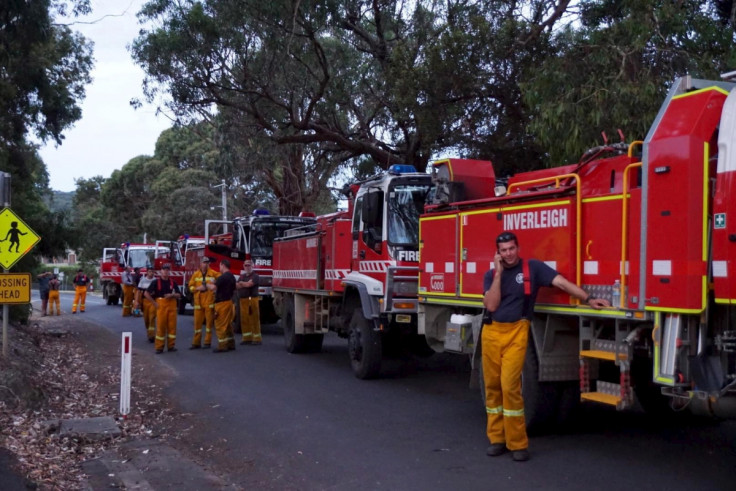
(392, 81)
(614, 66)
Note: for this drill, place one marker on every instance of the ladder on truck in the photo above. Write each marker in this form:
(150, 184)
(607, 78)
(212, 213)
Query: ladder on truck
(598, 349)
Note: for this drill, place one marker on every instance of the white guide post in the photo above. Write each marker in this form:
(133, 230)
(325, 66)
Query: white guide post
(125, 361)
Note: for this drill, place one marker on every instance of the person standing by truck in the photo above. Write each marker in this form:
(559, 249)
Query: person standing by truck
(164, 293)
(250, 317)
(203, 301)
(128, 291)
(149, 307)
(80, 282)
(224, 288)
(510, 293)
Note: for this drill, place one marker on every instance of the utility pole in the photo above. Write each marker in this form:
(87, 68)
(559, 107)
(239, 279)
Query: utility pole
(224, 203)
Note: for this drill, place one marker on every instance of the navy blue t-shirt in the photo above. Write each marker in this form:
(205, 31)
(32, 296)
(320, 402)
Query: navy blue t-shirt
(511, 308)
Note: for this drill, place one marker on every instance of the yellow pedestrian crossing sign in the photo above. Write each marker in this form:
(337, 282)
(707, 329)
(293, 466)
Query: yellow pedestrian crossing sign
(16, 238)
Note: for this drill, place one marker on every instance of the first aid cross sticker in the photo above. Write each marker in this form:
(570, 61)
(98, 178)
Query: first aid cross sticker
(719, 220)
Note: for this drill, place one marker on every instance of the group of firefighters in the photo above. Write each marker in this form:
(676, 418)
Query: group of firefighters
(155, 299)
(49, 285)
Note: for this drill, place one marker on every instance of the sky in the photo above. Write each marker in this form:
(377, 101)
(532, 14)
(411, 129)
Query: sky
(110, 132)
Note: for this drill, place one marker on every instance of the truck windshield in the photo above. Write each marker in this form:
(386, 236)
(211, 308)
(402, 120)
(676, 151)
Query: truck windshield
(262, 235)
(405, 203)
(141, 258)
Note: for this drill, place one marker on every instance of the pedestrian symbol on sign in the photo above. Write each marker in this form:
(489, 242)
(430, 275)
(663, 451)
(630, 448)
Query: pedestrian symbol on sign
(14, 235)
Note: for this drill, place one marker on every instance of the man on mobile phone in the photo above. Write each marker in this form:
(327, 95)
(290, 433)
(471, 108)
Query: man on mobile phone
(510, 292)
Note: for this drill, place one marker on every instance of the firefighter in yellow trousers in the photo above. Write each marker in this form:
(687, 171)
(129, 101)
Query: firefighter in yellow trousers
(128, 291)
(204, 303)
(149, 307)
(250, 317)
(165, 293)
(54, 286)
(510, 292)
(224, 288)
(80, 291)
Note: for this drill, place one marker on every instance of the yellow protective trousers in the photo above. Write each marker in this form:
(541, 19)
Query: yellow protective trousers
(204, 313)
(504, 349)
(224, 315)
(128, 295)
(166, 323)
(250, 320)
(149, 318)
(54, 300)
(80, 296)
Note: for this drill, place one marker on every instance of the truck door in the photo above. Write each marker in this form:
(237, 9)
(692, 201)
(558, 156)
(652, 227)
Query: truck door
(368, 234)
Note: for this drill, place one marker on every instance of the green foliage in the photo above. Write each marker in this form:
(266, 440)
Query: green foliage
(613, 71)
(393, 81)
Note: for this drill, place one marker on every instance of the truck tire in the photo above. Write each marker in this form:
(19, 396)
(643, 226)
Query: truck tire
(182, 306)
(113, 300)
(295, 343)
(364, 347)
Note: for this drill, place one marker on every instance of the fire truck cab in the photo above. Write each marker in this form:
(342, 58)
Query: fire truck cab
(247, 237)
(114, 262)
(355, 272)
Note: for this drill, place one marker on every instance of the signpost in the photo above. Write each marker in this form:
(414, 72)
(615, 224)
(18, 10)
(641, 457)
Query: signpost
(16, 240)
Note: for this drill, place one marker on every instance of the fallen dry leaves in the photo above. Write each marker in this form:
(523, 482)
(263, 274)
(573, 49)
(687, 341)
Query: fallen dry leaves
(62, 378)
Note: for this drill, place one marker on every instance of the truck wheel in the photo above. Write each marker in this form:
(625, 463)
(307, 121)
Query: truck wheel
(182, 306)
(364, 347)
(113, 300)
(540, 398)
(295, 343)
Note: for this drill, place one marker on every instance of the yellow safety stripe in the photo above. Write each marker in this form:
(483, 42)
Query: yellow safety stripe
(513, 412)
(198, 331)
(197, 307)
(172, 336)
(161, 338)
(494, 410)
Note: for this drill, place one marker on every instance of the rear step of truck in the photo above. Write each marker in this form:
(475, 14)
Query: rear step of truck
(596, 350)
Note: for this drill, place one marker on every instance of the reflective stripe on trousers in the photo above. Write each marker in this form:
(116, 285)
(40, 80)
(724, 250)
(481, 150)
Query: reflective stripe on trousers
(166, 323)
(504, 349)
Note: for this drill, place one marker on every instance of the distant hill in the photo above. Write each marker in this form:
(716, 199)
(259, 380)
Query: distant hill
(60, 201)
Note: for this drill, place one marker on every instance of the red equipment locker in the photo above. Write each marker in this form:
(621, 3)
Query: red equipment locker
(439, 265)
(679, 157)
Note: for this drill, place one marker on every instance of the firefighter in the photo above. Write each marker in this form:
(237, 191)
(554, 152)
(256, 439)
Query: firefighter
(510, 292)
(43, 289)
(137, 293)
(164, 292)
(80, 282)
(250, 319)
(204, 303)
(149, 307)
(54, 285)
(224, 288)
(128, 291)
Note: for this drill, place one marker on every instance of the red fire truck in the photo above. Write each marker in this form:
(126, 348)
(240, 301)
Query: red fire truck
(644, 225)
(250, 237)
(114, 262)
(355, 272)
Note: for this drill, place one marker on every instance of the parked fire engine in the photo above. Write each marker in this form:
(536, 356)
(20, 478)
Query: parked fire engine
(650, 226)
(355, 272)
(250, 237)
(114, 262)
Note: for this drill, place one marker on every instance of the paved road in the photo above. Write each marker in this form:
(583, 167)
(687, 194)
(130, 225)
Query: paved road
(281, 421)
